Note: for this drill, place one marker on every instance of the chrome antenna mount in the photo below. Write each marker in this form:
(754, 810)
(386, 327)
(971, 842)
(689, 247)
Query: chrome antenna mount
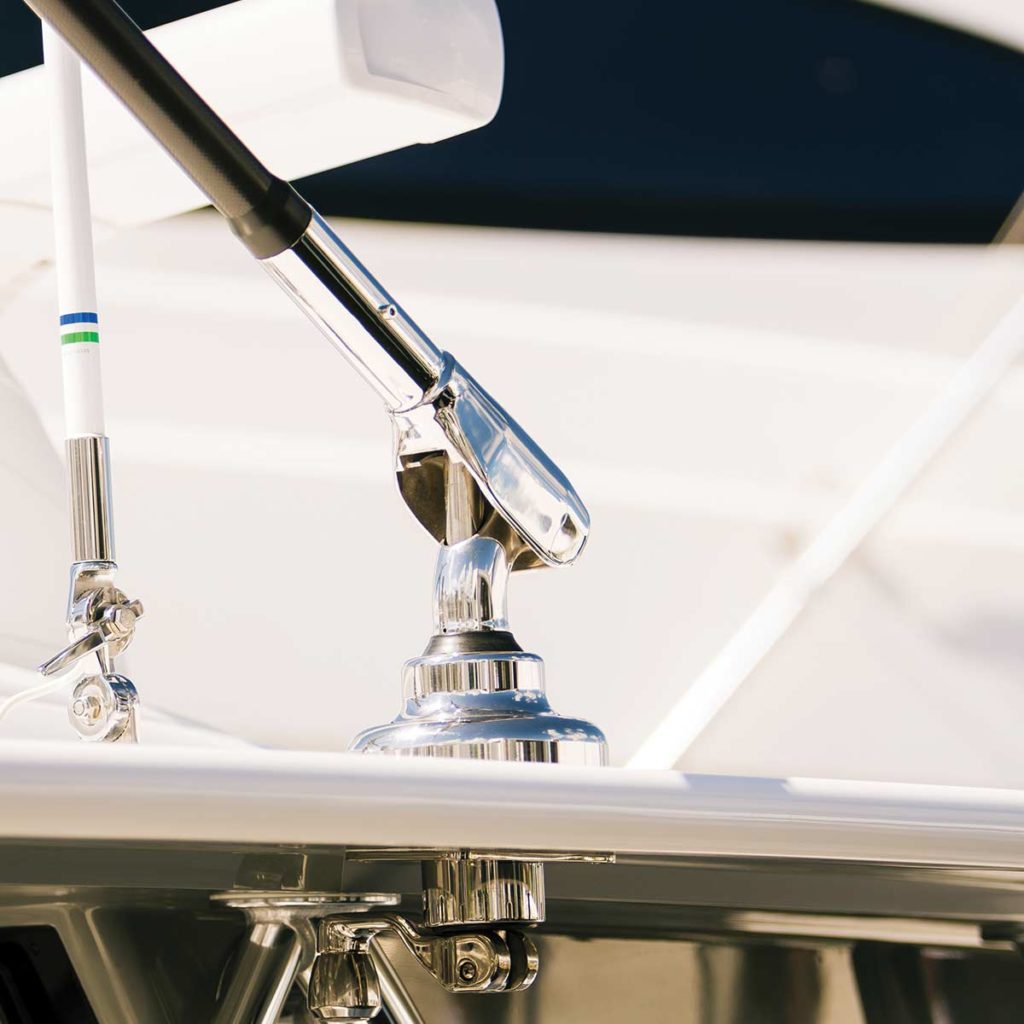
(100, 619)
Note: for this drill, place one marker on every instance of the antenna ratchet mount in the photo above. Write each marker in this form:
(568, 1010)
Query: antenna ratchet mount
(100, 619)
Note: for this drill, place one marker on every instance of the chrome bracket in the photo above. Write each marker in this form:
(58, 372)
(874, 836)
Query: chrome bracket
(324, 941)
(344, 984)
(101, 622)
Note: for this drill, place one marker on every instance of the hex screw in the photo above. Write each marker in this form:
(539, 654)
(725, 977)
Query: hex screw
(467, 971)
(88, 709)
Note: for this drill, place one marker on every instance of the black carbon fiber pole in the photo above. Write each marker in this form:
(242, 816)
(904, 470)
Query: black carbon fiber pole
(266, 213)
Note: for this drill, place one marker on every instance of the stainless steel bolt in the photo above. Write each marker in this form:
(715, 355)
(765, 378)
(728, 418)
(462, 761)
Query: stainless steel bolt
(88, 708)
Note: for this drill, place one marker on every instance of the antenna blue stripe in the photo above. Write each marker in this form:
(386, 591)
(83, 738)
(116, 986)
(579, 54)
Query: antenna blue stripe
(78, 318)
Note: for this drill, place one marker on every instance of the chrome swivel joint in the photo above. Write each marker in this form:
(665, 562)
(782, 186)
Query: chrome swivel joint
(345, 981)
(330, 944)
(100, 618)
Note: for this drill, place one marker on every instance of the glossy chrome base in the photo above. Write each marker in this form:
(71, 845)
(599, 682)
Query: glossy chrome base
(483, 706)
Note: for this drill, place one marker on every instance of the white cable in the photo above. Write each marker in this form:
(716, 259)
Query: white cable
(72, 220)
(781, 606)
(42, 689)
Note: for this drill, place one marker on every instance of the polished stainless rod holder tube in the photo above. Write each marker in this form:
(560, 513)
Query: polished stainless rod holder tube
(358, 316)
(92, 528)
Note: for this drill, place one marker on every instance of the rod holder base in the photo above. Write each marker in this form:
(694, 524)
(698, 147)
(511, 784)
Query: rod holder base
(483, 706)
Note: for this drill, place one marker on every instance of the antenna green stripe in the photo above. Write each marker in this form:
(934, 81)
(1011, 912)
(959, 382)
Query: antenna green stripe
(77, 336)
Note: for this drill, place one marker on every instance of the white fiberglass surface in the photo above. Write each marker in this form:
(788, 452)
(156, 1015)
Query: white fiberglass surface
(714, 402)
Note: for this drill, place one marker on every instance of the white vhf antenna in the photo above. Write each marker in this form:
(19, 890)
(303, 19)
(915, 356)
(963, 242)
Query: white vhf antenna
(100, 619)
